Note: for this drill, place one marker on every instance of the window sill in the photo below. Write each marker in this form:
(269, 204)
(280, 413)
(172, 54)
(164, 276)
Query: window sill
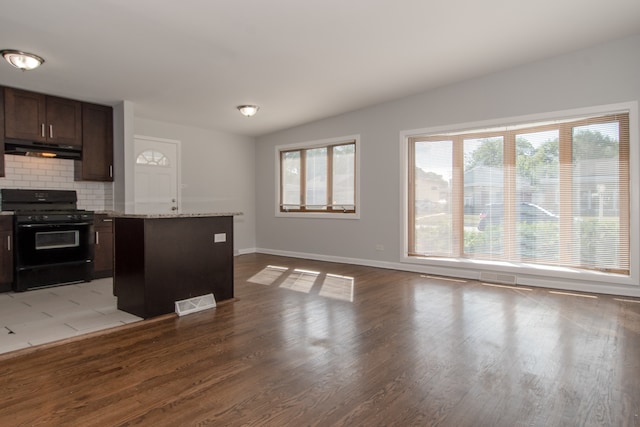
(317, 215)
(526, 273)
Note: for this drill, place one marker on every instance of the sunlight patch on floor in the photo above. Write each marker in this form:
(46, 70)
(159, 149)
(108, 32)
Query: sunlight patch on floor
(337, 287)
(268, 275)
(573, 294)
(495, 285)
(300, 280)
(334, 286)
(448, 279)
(634, 301)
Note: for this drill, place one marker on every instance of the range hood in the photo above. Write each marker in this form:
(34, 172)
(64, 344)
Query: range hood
(42, 149)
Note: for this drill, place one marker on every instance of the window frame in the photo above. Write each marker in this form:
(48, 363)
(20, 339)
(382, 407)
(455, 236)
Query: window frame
(469, 267)
(330, 212)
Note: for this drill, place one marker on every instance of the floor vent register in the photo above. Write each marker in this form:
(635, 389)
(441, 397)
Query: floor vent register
(192, 305)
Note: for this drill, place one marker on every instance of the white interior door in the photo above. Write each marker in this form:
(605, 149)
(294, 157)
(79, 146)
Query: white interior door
(156, 176)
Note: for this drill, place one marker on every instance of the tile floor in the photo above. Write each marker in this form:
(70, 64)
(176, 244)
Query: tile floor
(50, 314)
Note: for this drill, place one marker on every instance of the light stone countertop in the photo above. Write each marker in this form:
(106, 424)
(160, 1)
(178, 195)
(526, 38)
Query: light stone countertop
(169, 215)
(179, 215)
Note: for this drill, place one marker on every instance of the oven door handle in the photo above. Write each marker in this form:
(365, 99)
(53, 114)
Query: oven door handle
(54, 224)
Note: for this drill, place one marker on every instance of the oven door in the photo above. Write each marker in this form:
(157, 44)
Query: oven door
(52, 253)
(40, 244)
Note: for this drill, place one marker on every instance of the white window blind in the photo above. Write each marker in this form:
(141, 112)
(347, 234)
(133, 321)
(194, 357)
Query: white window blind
(319, 179)
(545, 193)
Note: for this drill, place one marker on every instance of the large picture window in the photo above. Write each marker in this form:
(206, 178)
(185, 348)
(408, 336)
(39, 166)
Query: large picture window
(551, 193)
(318, 177)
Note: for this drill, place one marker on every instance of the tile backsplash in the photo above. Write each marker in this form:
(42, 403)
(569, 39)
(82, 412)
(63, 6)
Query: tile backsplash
(39, 173)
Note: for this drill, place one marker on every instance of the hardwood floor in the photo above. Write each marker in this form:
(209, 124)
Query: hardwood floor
(384, 348)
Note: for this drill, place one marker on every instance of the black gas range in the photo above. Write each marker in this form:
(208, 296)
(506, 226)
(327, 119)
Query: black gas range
(53, 238)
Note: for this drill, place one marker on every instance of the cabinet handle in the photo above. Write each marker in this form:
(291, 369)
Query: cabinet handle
(107, 220)
(42, 129)
(9, 243)
(110, 171)
(51, 131)
(97, 238)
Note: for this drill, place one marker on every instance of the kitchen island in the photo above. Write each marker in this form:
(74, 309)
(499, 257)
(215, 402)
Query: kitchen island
(160, 259)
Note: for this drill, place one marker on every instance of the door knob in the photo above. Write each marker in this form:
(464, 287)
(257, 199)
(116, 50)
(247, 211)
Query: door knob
(174, 208)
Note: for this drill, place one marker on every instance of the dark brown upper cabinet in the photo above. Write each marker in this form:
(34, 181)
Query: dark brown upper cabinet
(97, 144)
(36, 117)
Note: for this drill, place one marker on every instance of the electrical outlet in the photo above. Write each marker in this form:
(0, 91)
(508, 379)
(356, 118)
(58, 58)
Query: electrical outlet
(219, 237)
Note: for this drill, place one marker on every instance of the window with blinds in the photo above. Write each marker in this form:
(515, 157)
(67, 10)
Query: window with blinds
(545, 193)
(318, 177)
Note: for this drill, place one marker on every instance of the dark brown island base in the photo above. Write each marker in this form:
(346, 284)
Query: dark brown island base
(160, 259)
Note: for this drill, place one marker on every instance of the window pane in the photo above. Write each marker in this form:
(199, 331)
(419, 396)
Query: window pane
(291, 179)
(545, 193)
(343, 176)
(484, 197)
(596, 196)
(321, 179)
(152, 158)
(537, 196)
(316, 179)
(432, 194)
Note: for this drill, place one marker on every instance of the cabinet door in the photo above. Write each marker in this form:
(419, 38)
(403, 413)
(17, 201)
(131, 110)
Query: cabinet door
(103, 253)
(97, 145)
(64, 121)
(25, 115)
(6, 253)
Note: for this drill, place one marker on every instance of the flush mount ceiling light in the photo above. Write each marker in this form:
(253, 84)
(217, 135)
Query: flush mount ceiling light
(22, 60)
(248, 110)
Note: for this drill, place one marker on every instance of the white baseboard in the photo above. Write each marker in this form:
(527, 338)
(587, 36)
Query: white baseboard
(244, 251)
(331, 258)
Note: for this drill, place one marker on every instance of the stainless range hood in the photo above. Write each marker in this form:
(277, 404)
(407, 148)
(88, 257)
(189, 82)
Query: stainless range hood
(41, 149)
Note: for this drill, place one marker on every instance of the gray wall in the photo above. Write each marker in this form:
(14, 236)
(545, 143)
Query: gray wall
(217, 174)
(604, 74)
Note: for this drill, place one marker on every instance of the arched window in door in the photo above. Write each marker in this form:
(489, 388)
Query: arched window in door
(152, 158)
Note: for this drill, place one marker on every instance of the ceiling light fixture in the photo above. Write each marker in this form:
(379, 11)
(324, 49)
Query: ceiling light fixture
(22, 60)
(248, 110)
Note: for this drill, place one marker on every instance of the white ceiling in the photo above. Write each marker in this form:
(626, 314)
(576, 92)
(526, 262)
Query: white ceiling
(192, 61)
